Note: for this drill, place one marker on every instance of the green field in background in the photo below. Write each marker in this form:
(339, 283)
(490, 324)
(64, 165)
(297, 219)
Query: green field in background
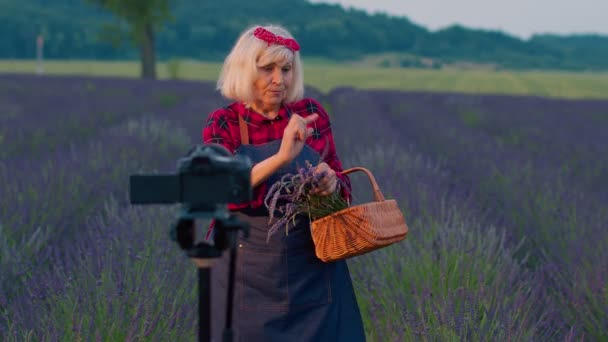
(325, 75)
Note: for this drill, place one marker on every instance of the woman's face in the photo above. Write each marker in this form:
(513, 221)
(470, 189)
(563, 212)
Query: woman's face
(272, 83)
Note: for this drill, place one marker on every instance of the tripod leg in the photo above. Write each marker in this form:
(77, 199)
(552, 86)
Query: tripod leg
(228, 333)
(204, 307)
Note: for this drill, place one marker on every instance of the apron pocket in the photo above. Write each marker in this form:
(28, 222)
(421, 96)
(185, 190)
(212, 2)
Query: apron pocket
(308, 279)
(263, 275)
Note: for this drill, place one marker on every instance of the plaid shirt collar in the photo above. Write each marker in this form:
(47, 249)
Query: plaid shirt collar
(255, 118)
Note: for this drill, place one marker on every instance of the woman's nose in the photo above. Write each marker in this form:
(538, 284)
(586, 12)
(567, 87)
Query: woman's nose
(277, 76)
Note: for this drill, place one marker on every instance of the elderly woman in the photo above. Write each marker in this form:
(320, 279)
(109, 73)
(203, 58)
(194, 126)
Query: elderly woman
(283, 292)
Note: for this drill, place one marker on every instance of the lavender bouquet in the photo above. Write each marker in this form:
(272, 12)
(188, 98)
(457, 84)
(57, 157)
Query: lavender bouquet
(291, 196)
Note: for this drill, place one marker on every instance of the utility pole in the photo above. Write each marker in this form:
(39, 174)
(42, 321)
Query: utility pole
(40, 54)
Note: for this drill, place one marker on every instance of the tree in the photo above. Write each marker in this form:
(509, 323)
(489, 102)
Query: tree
(142, 17)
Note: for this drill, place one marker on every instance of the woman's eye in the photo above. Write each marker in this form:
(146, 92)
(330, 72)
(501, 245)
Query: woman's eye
(286, 69)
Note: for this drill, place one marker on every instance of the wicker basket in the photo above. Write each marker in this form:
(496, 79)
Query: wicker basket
(359, 229)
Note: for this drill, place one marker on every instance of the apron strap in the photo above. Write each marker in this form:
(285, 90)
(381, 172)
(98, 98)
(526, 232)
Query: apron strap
(244, 131)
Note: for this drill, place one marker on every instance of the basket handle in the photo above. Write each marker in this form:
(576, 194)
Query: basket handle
(378, 196)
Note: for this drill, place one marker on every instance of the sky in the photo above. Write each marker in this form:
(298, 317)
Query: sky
(520, 18)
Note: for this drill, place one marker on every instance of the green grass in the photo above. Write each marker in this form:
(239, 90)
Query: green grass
(326, 75)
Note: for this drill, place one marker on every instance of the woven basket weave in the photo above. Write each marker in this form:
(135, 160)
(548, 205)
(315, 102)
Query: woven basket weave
(359, 229)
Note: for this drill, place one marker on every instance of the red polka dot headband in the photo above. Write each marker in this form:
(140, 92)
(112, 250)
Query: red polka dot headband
(271, 38)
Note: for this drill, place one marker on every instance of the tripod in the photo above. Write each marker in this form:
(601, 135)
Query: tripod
(202, 254)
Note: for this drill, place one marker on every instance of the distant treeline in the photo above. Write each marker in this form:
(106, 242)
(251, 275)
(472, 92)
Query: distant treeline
(204, 29)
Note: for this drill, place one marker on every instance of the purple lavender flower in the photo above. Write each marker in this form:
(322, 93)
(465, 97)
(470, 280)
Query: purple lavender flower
(295, 191)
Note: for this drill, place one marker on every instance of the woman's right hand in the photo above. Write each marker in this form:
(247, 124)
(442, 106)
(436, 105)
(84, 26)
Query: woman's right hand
(294, 136)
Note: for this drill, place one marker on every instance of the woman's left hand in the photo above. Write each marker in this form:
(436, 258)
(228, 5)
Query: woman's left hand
(327, 184)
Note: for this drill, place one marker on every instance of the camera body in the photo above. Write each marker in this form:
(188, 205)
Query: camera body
(207, 177)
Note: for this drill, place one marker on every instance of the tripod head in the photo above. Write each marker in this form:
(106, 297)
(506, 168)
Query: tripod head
(225, 232)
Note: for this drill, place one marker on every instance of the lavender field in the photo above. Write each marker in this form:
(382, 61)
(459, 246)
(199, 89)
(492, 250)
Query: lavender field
(506, 198)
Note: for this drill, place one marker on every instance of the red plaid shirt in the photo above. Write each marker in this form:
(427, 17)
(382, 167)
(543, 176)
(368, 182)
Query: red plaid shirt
(222, 127)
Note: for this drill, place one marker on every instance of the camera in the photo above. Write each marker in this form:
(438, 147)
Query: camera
(208, 176)
(207, 179)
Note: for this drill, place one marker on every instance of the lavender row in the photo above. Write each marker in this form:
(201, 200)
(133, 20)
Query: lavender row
(122, 279)
(562, 220)
(445, 281)
(529, 194)
(39, 115)
(44, 208)
(82, 176)
(453, 280)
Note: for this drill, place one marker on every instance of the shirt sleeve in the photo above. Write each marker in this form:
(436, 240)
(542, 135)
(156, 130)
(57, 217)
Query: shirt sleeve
(217, 130)
(330, 153)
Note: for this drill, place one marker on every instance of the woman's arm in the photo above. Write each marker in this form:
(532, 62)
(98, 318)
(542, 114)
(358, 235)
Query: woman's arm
(294, 138)
(331, 156)
(295, 134)
(264, 169)
(217, 131)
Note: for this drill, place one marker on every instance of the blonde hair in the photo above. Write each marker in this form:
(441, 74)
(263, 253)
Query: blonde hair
(240, 66)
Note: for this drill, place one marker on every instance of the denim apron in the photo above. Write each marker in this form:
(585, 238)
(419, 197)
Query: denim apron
(283, 292)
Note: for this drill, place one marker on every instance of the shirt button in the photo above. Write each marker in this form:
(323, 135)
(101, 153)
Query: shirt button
(240, 245)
